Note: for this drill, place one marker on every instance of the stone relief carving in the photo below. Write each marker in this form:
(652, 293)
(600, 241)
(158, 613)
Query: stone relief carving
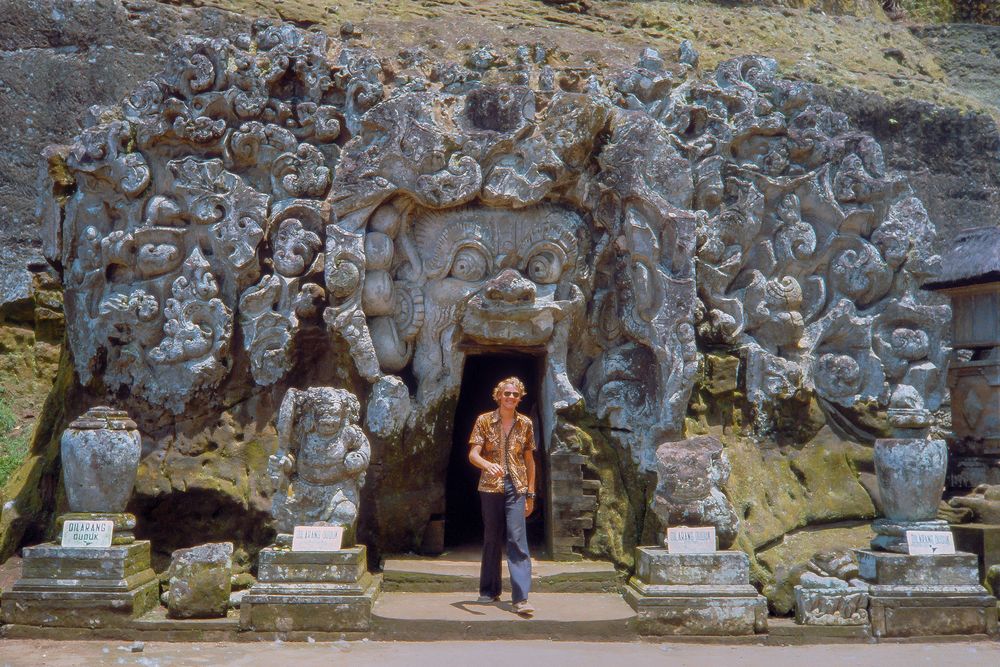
(278, 181)
(322, 457)
(831, 592)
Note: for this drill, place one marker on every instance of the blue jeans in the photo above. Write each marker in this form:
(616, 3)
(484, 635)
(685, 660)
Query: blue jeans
(503, 517)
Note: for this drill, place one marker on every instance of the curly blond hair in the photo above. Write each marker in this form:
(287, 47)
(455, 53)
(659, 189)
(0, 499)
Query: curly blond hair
(516, 381)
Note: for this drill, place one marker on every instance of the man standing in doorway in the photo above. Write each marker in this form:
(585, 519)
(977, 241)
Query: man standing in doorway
(502, 445)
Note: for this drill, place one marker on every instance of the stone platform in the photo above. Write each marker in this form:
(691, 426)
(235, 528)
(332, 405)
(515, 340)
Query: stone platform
(82, 587)
(695, 594)
(310, 591)
(932, 595)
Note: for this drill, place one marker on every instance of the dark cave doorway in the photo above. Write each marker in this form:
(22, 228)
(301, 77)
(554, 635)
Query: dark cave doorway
(482, 372)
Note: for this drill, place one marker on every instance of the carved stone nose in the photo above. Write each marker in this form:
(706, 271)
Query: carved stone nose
(510, 286)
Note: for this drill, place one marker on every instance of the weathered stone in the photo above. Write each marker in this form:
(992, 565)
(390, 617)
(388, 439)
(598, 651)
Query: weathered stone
(388, 408)
(464, 211)
(82, 587)
(890, 535)
(817, 606)
(100, 451)
(695, 594)
(690, 475)
(926, 595)
(911, 474)
(818, 550)
(891, 569)
(321, 461)
(318, 591)
(200, 581)
(657, 568)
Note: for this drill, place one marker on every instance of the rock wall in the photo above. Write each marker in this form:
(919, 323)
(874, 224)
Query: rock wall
(215, 453)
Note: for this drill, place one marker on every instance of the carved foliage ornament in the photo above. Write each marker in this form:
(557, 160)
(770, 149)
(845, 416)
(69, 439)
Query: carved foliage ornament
(264, 182)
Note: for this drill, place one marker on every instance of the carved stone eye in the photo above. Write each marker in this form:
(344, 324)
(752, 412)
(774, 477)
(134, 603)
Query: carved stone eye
(469, 265)
(544, 267)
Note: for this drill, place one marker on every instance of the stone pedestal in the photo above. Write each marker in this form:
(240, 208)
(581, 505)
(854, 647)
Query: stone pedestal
(83, 587)
(913, 596)
(695, 594)
(312, 591)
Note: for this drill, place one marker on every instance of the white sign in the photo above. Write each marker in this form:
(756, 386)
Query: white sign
(317, 538)
(684, 540)
(93, 534)
(929, 542)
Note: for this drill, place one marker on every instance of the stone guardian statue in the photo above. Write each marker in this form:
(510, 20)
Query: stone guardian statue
(321, 461)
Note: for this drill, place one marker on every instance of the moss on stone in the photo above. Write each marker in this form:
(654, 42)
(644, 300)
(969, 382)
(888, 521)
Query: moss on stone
(622, 520)
(781, 565)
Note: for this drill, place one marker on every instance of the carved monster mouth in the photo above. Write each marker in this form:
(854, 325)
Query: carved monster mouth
(491, 321)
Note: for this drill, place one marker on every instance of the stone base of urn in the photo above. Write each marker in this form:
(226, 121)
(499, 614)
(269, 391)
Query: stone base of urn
(310, 590)
(914, 596)
(891, 535)
(124, 524)
(83, 587)
(695, 594)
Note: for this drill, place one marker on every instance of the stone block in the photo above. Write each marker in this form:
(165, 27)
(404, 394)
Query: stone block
(882, 568)
(80, 587)
(305, 607)
(914, 596)
(655, 566)
(711, 615)
(695, 594)
(200, 581)
(345, 568)
(311, 591)
(917, 614)
(116, 568)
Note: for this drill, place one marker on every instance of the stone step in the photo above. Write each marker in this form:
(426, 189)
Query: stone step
(456, 575)
(457, 616)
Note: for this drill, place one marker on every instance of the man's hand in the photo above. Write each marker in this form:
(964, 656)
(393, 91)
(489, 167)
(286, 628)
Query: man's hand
(529, 506)
(494, 469)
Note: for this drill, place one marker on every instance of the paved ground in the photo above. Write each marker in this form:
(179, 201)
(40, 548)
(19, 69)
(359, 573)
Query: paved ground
(18, 653)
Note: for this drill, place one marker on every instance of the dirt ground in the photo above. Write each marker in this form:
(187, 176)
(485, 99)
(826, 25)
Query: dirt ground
(18, 653)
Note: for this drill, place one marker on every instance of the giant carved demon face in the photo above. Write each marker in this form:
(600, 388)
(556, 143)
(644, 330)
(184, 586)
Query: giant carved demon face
(479, 275)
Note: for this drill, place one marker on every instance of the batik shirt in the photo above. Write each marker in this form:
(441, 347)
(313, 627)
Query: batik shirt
(507, 452)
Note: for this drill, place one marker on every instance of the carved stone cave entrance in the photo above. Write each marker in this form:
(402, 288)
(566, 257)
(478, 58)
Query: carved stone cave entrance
(463, 526)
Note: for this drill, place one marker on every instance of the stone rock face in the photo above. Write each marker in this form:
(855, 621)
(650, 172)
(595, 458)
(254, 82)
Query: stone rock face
(690, 474)
(322, 457)
(200, 581)
(276, 210)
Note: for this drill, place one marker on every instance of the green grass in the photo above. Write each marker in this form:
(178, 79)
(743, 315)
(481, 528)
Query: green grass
(13, 442)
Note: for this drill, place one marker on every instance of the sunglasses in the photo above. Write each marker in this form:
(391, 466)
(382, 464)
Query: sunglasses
(512, 394)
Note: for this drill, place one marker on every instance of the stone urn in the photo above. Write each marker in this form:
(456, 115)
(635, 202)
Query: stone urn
(911, 473)
(100, 455)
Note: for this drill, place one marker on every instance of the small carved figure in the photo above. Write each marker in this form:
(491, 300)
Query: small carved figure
(320, 464)
(690, 475)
